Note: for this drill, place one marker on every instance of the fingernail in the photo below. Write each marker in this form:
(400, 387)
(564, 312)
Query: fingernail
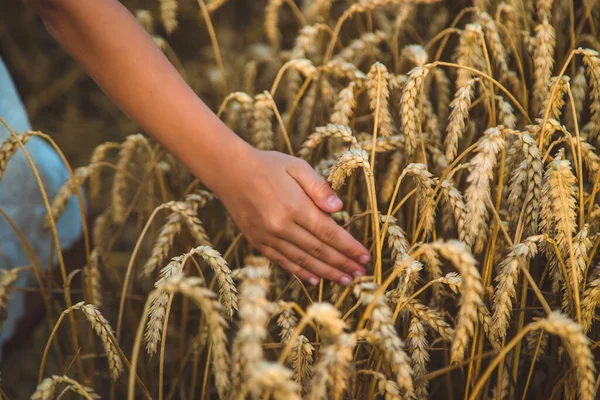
(358, 274)
(345, 281)
(313, 281)
(334, 202)
(364, 259)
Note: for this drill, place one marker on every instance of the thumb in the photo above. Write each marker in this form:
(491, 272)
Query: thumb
(316, 187)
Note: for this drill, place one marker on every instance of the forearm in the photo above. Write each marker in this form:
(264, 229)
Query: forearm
(121, 57)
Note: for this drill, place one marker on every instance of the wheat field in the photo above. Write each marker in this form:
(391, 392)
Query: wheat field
(462, 139)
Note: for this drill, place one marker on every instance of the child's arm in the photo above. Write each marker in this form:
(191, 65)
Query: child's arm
(275, 199)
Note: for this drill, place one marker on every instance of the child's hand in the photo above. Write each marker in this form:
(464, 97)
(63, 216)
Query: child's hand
(276, 200)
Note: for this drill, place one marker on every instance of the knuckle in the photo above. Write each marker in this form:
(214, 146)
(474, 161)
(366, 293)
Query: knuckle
(301, 260)
(319, 250)
(330, 233)
(294, 208)
(276, 225)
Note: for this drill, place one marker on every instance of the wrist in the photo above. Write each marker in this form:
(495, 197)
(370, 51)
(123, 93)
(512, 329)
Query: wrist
(221, 165)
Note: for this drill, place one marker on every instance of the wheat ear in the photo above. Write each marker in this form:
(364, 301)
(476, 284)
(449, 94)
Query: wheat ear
(120, 185)
(46, 390)
(507, 280)
(459, 114)
(560, 195)
(591, 300)
(227, 289)
(335, 354)
(379, 94)
(579, 89)
(262, 124)
(302, 360)
(592, 64)
(345, 164)
(68, 189)
(168, 14)
(344, 107)
(472, 290)
(479, 179)
(272, 22)
(425, 183)
(8, 278)
(469, 53)
(506, 113)
(578, 345)
(543, 62)
(454, 198)
(577, 264)
(99, 155)
(9, 147)
(91, 274)
(321, 133)
(418, 348)
(158, 307)
(211, 308)
(408, 107)
(386, 336)
(105, 333)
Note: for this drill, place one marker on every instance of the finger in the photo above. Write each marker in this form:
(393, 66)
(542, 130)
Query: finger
(306, 261)
(289, 266)
(315, 187)
(323, 252)
(324, 227)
